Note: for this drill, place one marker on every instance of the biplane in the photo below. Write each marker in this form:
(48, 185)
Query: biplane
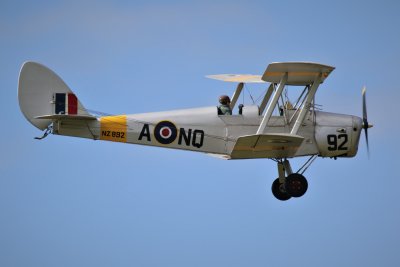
(275, 129)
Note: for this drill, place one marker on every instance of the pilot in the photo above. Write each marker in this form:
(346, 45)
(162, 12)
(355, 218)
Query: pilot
(224, 108)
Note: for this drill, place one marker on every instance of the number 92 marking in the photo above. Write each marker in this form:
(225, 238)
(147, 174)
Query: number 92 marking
(337, 142)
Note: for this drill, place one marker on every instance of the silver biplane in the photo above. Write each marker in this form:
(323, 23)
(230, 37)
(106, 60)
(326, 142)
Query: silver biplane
(275, 129)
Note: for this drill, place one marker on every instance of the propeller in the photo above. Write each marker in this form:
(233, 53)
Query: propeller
(365, 125)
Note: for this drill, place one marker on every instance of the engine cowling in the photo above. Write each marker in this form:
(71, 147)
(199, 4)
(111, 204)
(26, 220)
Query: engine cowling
(337, 135)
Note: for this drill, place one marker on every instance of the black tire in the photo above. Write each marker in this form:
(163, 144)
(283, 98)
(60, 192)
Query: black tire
(296, 185)
(278, 191)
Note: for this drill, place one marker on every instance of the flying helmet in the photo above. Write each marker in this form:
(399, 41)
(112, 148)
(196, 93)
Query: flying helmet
(224, 100)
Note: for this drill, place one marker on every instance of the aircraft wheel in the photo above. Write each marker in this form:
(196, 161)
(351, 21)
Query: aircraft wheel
(296, 185)
(278, 190)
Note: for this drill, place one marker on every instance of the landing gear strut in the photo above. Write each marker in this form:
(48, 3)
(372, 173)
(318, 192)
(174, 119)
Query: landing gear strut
(294, 184)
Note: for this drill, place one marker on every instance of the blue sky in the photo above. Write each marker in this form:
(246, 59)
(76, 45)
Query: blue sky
(76, 202)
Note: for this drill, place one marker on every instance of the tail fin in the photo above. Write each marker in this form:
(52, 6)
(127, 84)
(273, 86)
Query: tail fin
(41, 93)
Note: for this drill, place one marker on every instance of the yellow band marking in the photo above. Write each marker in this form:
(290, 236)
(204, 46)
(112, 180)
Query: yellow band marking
(113, 128)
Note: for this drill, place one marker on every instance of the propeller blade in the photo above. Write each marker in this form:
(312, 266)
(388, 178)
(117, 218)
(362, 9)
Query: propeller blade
(366, 139)
(365, 118)
(364, 92)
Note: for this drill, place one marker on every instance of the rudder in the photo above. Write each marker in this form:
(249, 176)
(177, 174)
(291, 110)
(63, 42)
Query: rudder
(42, 92)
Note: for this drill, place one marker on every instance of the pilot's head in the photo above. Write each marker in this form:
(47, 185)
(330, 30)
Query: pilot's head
(224, 100)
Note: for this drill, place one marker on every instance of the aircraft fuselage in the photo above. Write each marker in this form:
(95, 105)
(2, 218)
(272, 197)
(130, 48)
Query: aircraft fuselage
(203, 130)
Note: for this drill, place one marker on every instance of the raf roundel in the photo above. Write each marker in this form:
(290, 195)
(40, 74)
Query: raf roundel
(165, 132)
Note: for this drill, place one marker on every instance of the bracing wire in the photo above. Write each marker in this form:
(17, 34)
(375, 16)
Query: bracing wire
(252, 99)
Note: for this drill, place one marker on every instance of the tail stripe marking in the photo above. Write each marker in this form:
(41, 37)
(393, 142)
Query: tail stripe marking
(60, 103)
(72, 104)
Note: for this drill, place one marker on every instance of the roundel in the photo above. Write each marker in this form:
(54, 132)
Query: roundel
(165, 132)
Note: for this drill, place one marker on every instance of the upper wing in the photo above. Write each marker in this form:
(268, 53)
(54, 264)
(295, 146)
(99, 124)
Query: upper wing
(239, 78)
(299, 73)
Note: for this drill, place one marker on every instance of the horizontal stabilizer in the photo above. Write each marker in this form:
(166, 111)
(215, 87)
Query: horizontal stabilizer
(266, 146)
(66, 117)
